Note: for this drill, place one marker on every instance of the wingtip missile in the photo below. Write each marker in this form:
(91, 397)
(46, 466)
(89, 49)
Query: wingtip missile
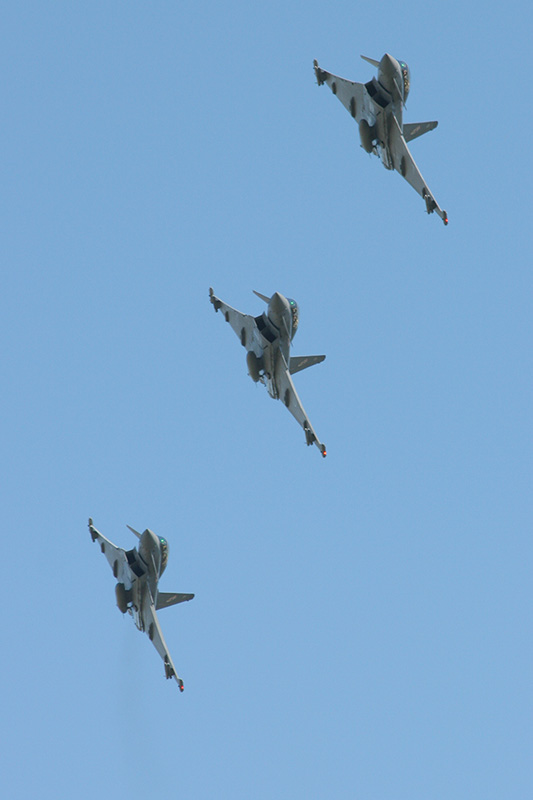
(214, 299)
(92, 530)
(320, 74)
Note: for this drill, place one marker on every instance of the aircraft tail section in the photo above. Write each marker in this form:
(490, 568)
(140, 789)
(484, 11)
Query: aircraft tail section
(166, 599)
(412, 130)
(298, 363)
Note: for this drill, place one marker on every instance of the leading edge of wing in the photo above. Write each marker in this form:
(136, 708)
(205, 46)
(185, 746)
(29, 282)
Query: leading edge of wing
(155, 634)
(111, 551)
(289, 396)
(350, 93)
(405, 164)
(242, 324)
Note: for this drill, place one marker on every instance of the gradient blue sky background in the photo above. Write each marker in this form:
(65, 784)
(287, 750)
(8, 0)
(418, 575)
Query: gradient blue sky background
(362, 624)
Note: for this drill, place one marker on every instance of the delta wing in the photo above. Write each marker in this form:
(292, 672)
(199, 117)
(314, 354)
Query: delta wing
(242, 324)
(289, 396)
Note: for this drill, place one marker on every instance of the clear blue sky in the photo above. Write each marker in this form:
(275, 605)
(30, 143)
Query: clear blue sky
(362, 624)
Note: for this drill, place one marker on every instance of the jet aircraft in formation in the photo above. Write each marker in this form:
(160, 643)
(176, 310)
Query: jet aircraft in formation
(137, 572)
(267, 339)
(377, 107)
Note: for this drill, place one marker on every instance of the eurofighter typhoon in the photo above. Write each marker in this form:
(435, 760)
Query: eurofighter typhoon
(377, 107)
(267, 339)
(137, 572)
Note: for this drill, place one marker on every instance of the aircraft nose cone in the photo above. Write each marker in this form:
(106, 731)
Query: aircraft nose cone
(388, 68)
(277, 307)
(387, 63)
(277, 303)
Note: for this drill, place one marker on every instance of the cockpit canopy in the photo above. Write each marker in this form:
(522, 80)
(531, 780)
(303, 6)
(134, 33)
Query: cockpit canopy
(164, 554)
(293, 305)
(406, 75)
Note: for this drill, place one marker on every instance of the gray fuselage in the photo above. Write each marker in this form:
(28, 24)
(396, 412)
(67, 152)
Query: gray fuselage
(146, 565)
(271, 339)
(386, 97)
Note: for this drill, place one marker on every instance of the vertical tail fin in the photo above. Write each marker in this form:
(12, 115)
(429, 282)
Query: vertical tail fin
(297, 363)
(166, 599)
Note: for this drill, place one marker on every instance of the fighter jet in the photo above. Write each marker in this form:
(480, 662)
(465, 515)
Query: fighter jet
(137, 572)
(267, 339)
(377, 107)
